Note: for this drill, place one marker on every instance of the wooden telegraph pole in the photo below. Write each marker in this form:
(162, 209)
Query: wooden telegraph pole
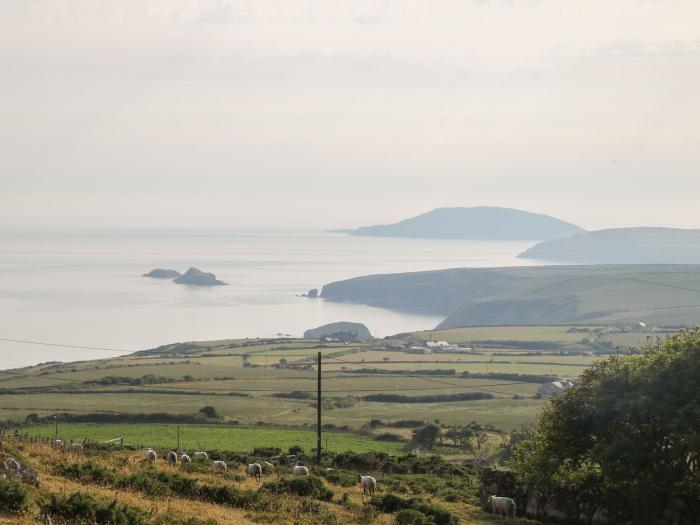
(318, 409)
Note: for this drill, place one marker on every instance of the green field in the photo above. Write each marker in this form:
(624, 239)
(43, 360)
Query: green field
(241, 378)
(204, 437)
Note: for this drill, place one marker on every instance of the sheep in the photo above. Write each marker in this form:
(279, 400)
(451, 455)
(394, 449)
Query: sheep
(58, 443)
(368, 484)
(171, 458)
(254, 470)
(150, 456)
(76, 447)
(502, 506)
(300, 470)
(12, 465)
(219, 465)
(267, 465)
(201, 456)
(185, 461)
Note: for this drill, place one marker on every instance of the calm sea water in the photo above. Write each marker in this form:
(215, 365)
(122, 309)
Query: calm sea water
(86, 288)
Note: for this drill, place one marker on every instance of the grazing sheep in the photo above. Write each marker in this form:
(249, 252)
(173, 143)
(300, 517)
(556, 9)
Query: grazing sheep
(12, 465)
(150, 456)
(254, 470)
(76, 447)
(267, 465)
(368, 484)
(171, 458)
(185, 460)
(58, 443)
(219, 465)
(201, 456)
(502, 506)
(300, 470)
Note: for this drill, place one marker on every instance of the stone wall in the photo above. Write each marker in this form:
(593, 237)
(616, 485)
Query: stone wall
(565, 505)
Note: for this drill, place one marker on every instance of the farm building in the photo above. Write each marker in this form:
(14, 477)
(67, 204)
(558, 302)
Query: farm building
(554, 388)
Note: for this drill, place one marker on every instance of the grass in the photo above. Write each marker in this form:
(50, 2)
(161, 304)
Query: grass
(216, 374)
(173, 507)
(216, 437)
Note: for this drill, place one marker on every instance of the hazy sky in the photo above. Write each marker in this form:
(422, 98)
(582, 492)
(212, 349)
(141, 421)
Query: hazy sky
(317, 114)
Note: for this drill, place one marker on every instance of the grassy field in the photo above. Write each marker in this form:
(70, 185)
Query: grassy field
(202, 437)
(241, 378)
(164, 494)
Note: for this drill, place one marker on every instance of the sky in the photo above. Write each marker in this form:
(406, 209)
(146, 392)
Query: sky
(305, 114)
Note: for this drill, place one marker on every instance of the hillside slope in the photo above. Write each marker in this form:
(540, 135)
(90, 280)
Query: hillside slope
(478, 223)
(622, 246)
(661, 294)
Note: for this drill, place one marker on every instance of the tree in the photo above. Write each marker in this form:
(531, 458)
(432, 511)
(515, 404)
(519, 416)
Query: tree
(426, 436)
(632, 427)
(209, 411)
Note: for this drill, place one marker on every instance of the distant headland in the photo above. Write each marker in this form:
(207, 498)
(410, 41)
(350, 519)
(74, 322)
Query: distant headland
(478, 223)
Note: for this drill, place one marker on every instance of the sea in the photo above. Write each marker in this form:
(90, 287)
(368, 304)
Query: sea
(86, 289)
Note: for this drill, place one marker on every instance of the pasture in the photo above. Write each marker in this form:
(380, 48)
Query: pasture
(249, 381)
(205, 437)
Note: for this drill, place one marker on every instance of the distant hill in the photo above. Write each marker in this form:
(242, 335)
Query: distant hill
(656, 294)
(479, 223)
(622, 246)
(340, 330)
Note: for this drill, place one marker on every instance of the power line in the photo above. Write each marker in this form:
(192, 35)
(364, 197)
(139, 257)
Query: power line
(41, 343)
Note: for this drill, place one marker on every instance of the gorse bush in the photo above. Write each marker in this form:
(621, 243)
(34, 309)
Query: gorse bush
(308, 486)
(434, 514)
(410, 517)
(14, 496)
(81, 507)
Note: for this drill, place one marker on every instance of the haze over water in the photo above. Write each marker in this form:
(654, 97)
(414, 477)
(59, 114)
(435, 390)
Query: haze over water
(86, 289)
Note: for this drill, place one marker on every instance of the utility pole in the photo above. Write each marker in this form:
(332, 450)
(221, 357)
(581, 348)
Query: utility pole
(178, 438)
(55, 432)
(318, 409)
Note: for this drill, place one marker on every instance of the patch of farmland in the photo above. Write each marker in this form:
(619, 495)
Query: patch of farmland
(216, 437)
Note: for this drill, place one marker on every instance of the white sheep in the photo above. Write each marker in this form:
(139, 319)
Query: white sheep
(368, 484)
(219, 465)
(300, 470)
(201, 456)
(502, 506)
(254, 470)
(150, 455)
(171, 458)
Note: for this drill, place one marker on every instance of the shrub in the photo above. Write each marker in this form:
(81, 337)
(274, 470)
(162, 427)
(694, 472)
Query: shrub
(308, 486)
(14, 496)
(344, 478)
(410, 517)
(209, 411)
(388, 436)
(266, 451)
(437, 398)
(83, 507)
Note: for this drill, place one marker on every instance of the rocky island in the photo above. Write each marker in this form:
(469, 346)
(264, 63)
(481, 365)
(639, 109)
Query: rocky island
(196, 277)
(343, 331)
(160, 273)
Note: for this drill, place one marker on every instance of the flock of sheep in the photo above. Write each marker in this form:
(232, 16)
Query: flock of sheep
(498, 505)
(254, 470)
